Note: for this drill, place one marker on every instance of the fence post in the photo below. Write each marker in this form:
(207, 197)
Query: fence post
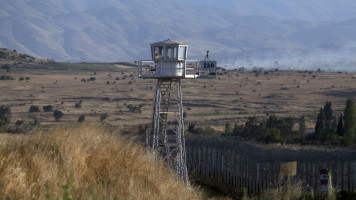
(199, 160)
(349, 176)
(354, 182)
(258, 176)
(343, 175)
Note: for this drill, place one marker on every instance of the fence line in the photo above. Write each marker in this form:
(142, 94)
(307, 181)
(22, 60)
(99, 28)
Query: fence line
(240, 164)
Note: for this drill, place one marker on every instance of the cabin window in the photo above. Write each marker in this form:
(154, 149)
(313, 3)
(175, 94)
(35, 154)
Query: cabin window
(182, 53)
(171, 53)
(157, 52)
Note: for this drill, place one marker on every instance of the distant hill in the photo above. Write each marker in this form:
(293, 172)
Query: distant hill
(121, 30)
(315, 10)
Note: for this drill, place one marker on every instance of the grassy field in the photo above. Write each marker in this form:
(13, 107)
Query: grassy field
(233, 96)
(82, 162)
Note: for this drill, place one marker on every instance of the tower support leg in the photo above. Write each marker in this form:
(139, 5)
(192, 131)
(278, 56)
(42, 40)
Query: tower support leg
(166, 137)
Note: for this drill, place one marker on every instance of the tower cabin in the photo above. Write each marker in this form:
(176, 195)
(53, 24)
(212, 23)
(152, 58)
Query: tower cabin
(169, 60)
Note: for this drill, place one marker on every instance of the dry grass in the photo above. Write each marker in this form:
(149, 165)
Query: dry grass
(288, 190)
(82, 162)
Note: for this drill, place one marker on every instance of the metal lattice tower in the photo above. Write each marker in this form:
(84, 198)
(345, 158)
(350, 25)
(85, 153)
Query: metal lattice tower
(168, 128)
(169, 66)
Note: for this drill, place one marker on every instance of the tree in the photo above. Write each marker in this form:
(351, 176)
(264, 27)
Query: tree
(319, 126)
(236, 129)
(328, 116)
(34, 108)
(350, 118)
(81, 118)
(250, 130)
(5, 116)
(340, 126)
(191, 127)
(57, 114)
(302, 126)
(228, 128)
(48, 108)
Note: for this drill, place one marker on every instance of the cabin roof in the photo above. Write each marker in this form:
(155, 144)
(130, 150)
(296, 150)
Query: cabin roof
(169, 42)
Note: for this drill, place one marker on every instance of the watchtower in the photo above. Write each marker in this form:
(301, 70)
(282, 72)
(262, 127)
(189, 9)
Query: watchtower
(169, 65)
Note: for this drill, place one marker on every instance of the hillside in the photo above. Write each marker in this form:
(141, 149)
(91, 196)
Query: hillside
(82, 162)
(111, 31)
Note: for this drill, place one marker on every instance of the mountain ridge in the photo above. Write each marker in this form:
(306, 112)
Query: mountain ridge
(122, 31)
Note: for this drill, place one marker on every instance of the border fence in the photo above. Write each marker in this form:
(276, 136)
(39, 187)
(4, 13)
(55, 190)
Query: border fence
(257, 167)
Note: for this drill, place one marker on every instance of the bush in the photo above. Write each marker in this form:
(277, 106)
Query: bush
(5, 77)
(19, 122)
(5, 115)
(57, 114)
(204, 130)
(81, 118)
(103, 117)
(79, 104)
(191, 127)
(6, 67)
(34, 109)
(48, 108)
(3, 55)
(92, 79)
(200, 130)
(135, 109)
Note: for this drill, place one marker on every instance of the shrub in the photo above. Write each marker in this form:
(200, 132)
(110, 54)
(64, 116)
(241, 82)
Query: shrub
(79, 104)
(48, 108)
(191, 127)
(34, 108)
(3, 54)
(92, 78)
(184, 114)
(200, 130)
(19, 122)
(135, 109)
(6, 67)
(57, 114)
(81, 118)
(21, 78)
(5, 77)
(204, 130)
(5, 115)
(103, 117)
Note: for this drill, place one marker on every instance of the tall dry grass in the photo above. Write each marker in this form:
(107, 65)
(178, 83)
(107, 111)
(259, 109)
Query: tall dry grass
(82, 162)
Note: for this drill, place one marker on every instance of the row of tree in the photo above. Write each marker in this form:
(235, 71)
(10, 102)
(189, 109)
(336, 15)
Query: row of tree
(339, 129)
(330, 128)
(273, 129)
